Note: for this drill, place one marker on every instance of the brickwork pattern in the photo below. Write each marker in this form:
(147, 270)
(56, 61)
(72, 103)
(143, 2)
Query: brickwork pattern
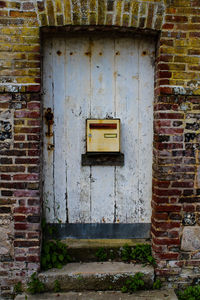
(19, 185)
(176, 182)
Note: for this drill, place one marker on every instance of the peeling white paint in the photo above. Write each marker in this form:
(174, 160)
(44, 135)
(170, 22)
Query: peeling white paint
(83, 85)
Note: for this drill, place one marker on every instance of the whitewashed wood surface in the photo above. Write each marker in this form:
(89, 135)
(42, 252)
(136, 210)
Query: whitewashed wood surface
(101, 78)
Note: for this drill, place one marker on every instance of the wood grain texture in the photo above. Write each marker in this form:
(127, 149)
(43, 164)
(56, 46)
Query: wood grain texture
(99, 78)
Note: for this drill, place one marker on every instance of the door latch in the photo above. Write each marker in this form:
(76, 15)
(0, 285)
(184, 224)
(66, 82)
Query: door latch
(49, 121)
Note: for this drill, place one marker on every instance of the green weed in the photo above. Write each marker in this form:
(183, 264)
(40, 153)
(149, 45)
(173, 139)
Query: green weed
(101, 254)
(18, 288)
(157, 284)
(140, 253)
(190, 293)
(57, 287)
(54, 255)
(133, 284)
(35, 285)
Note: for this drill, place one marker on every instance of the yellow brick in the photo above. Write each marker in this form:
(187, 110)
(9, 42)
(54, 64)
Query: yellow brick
(26, 79)
(93, 5)
(5, 64)
(26, 48)
(58, 6)
(101, 12)
(167, 50)
(118, 12)
(180, 50)
(33, 56)
(34, 72)
(67, 12)
(13, 72)
(181, 43)
(184, 75)
(196, 92)
(143, 9)
(12, 56)
(186, 59)
(76, 12)
(181, 3)
(135, 8)
(6, 47)
(177, 82)
(194, 43)
(177, 67)
(43, 19)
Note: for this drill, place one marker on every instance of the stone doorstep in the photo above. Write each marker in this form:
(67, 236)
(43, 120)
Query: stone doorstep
(142, 295)
(95, 276)
(84, 250)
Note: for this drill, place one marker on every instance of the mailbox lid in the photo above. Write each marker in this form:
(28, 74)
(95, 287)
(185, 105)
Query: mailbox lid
(103, 135)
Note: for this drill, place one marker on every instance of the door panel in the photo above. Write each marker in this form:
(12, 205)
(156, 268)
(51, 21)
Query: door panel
(91, 77)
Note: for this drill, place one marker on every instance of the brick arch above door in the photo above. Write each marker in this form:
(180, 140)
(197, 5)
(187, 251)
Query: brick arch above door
(128, 13)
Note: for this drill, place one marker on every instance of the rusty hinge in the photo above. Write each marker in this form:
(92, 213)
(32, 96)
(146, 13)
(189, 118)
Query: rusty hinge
(49, 121)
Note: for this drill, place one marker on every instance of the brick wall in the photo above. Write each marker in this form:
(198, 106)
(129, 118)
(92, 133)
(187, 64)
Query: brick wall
(176, 182)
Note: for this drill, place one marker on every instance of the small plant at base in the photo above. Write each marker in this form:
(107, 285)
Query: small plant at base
(140, 253)
(134, 284)
(18, 288)
(101, 254)
(35, 285)
(126, 252)
(57, 287)
(54, 255)
(190, 293)
(157, 284)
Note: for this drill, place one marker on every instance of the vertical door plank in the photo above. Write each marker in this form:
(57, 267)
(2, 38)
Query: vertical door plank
(146, 94)
(48, 167)
(126, 71)
(102, 106)
(98, 78)
(59, 129)
(77, 103)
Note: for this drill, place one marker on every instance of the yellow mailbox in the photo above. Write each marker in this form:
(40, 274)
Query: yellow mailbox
(103, 135)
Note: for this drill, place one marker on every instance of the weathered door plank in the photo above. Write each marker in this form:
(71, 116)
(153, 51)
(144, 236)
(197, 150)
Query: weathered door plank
(145, 121)
(59, 129)
(77, 103)
(98, 78)
(48, 166)
(102, 106)
(126, 70)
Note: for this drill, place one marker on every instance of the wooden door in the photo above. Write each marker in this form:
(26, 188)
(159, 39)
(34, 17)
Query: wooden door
(98, 77)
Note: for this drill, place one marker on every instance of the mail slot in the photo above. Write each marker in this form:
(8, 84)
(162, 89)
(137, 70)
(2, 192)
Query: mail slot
(103, 135)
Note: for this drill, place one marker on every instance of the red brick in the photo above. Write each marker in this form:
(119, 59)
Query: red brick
(30, 161)
(170, 115)
(33, 88)
(168, 26)
(26, 210)
(25, 193)
(166, 225)
(26, 177)
(167, 208)
(167, 192)
(169, 130)
(33, 105)
(168, 256)
(183, 184)
(165, 241)
(176, 19)
(160, 216)
(19, 218)
(26, 244)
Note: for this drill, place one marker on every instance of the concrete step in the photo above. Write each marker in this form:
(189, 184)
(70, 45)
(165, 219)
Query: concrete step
(84, 250)
(142, 295)
(95, 276)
